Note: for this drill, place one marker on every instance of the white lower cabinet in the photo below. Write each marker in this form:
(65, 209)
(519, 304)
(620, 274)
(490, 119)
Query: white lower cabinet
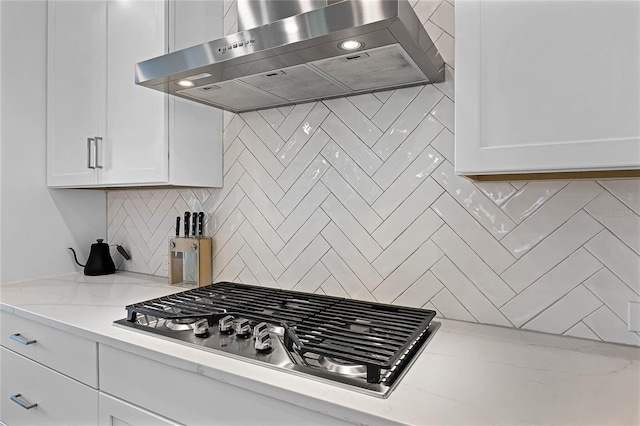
(191, 398)
(115, 412)
(32, 394)
(50, 377)
(47, 376)
(63, 352)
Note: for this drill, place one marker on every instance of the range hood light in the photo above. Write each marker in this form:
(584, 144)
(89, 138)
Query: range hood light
(186, 83)
(351, 45)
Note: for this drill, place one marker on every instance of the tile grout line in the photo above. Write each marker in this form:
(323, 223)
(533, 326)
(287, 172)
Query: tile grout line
(428, 114)
(319, 127)
(558, 301)
(297, 205)
(607, 228)
(457, 300)
(540, 207)
(307, 245)
(472, 249)
(602, 301)
(356, 219)
(601, 261)
(592, 330)
(561, 259)
(477, 288)
(331, 274)
(551, 232)
(560, 298)
(407, 258)
(437, 292)
(617, 197)
(483, 196)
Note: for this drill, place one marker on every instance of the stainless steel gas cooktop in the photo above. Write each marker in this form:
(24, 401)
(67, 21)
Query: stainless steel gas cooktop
(359, 345)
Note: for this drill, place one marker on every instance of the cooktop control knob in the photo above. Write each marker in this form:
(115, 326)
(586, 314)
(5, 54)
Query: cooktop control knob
(225, 324)
(260, 328)
(243, 328)
(201, 328)
(262, 339)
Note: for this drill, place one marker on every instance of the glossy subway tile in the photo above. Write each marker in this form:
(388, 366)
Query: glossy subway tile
(303, 238)
(355, 197)
(350, 254)
(566, 312)
(468, 294)
(472, 266)
(407, 242)
(301, 136)
(558, 246)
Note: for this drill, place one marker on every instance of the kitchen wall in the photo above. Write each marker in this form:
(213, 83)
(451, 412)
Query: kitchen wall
(357, 197)
(0, 146)
(37, 224)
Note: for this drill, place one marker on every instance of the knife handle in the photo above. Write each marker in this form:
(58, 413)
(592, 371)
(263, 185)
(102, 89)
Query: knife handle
(187, 215)
(200, 223)
(194, 224)
(178, 226)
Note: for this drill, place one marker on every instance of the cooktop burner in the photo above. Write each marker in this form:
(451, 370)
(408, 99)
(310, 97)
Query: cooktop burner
(180, 324)
(342, 367)
(361, 345)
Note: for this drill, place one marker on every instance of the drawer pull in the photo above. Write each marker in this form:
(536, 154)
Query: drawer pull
(98, 140)
(18, 338)
(24, 404)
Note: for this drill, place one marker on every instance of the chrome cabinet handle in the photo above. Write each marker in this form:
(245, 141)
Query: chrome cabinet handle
(91, 162)
(18, 338)
(24, 404)
(98, 139)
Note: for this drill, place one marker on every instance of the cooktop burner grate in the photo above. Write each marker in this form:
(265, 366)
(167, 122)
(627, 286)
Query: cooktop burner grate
(224, 298)
(373, 335)
(370, 334)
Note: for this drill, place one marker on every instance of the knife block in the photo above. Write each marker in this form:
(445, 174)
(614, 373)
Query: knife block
(190, 261)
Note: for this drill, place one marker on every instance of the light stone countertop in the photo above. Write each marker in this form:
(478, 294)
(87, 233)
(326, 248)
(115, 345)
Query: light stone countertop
(468, 374)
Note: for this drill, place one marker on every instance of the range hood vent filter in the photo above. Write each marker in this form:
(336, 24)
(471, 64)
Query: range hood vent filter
(232, 95)
(379, 68)
(296, 84)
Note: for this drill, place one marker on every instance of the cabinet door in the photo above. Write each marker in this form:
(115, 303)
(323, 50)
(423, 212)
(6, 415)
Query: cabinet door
(60, 400)
(135, 149)
(144, 382)
(195, 129)
(547, 86)
(76, 78)
(115, 412)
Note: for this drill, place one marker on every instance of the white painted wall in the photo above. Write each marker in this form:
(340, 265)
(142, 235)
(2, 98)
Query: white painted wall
(37, 223)
(0, 146)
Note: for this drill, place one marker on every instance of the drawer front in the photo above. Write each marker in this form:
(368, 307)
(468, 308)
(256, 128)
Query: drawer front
(191, 398)
(59, 400)
(115, 412)
(71, 355)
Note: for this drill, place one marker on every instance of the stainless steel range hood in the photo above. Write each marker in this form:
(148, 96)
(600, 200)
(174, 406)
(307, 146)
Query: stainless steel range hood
(301, 58)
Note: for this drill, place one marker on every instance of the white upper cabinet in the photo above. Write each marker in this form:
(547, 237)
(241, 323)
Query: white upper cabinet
(76, 90)
(547, 86)
(135, 149)
(103, 129)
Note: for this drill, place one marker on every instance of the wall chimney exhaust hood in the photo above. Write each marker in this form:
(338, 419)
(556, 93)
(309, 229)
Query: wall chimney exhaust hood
(340, 49)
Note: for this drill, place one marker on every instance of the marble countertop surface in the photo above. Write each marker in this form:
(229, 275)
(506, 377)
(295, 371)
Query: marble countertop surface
(468, 374)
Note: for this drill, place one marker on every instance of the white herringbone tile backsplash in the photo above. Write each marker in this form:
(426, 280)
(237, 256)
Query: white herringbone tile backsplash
(357, 197)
